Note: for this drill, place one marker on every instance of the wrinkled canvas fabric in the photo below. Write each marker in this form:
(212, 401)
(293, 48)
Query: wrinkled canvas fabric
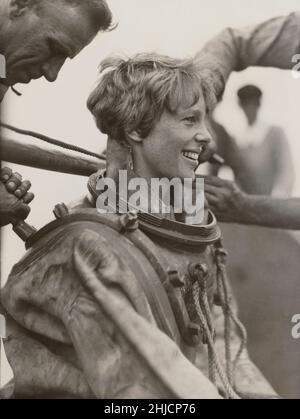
(65, 342)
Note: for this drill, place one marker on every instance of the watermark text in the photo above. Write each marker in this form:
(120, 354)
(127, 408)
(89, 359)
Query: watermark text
(296, 67)
(161, 196)
(296, 327)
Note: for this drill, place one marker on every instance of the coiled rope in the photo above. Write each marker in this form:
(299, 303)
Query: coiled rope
(205, 317)
(200, 298)
(229, 314)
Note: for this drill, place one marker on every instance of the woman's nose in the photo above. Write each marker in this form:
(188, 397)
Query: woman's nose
(204, 138)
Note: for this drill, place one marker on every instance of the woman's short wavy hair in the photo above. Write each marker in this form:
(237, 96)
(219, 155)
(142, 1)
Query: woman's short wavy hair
(132, 94)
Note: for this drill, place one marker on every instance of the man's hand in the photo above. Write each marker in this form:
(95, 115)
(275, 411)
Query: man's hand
(14, 197)
(225, 199)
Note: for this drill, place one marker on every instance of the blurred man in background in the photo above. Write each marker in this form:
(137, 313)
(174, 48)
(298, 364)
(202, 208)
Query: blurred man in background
(259, 154)
(274, 43)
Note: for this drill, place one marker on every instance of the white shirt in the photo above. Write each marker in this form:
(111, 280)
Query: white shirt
(252, 135)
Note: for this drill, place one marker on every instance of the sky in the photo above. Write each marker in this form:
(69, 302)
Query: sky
(174, 27)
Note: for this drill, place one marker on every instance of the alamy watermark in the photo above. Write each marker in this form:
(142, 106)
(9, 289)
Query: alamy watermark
(296, 68)
(2, 67)
(296, 327)
(161, 196)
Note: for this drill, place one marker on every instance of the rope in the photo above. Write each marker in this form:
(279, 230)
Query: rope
(230, 393)
(205, 308)
(53, 141)
(212, 372)
(229, 314)
(204, 305)
(225, 304)
(206, 322)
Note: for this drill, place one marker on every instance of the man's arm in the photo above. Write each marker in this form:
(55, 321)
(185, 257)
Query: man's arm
(231, 205)
(270, 44)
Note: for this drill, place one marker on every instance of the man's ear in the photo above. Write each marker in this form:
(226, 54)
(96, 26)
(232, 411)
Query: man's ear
(134, 136)
(19, 7)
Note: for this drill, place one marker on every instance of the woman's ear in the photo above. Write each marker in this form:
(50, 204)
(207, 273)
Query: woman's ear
(134, 136)
(117, 156)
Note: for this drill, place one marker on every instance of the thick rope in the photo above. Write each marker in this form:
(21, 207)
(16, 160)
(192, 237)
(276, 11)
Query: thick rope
(212, 372)
(227, 326)
(53, 141)
(197, 292)
(221, 259)
(207, 313)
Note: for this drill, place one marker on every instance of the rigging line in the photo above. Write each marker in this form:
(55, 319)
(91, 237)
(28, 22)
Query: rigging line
(53, 141)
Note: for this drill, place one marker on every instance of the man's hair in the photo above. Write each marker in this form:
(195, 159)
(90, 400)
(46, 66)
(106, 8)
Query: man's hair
(249, 92)
(132, 94)
(97, 10)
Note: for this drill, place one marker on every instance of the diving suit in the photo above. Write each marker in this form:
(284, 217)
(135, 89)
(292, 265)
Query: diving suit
(131, 306)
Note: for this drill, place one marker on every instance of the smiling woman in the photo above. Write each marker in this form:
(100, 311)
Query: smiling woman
(155, 106)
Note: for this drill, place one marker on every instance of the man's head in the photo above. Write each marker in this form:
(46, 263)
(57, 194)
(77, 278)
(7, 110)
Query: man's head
(250, 101)
(37, 36)
(156, 105)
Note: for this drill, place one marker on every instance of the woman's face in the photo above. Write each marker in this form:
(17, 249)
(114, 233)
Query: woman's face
(173, 147)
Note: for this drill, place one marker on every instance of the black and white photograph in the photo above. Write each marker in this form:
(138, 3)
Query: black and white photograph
(150, 202)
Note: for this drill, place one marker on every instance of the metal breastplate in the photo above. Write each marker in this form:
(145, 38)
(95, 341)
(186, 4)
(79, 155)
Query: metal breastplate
(187, 254)
(190, 255)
